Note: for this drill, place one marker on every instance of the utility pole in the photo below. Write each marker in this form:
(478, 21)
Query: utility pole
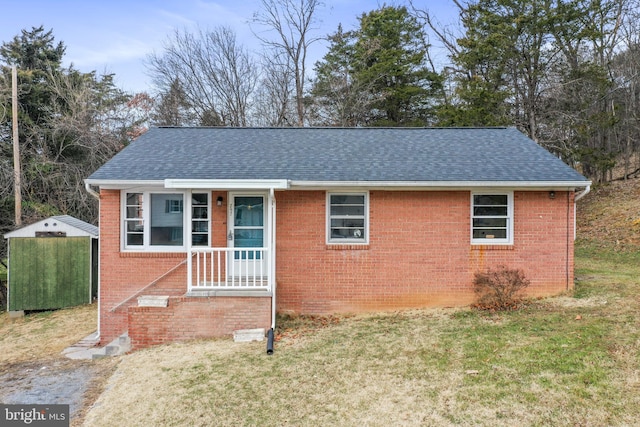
(17, 185)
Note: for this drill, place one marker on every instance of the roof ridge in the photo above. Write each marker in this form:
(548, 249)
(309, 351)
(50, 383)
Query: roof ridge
(335, 127)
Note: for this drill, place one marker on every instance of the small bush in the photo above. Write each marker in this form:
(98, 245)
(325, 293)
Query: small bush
(499, 289)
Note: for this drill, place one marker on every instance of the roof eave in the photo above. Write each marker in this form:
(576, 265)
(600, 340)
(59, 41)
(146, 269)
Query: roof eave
(283, 184)
(440, 185)
(228, 184)
(116, 184)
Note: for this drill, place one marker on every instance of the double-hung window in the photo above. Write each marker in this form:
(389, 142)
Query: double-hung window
(492, 218)
(154, 220)
(200, 219)
(347, 218)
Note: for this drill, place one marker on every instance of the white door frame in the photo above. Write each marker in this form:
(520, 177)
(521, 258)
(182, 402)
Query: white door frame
(239, 267)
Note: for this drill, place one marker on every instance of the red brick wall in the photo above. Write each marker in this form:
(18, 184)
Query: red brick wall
(124, 274)
(196, 317)
(419, 252)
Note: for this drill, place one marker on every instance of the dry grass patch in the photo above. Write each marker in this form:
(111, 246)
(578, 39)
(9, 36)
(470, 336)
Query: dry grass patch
(44, 334)
(610, 215)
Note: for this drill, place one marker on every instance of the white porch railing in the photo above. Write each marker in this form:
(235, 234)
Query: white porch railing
(229, 269)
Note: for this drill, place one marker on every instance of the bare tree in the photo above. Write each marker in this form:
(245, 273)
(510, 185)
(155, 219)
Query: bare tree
(292, 20)
(215, 73)
(274, 97)
(92, 121)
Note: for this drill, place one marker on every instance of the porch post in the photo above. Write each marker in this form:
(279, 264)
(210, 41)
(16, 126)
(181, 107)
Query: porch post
(187, 235)
(189, 270)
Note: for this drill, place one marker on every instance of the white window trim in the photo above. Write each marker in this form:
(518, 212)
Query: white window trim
(146, 217)
(367, 229)
(510, 219)
(190, 219)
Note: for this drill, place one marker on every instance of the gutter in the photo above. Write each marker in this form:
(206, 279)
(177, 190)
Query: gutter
(438, 185)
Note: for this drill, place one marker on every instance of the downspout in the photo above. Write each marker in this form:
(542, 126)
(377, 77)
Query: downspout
(568, 240)
(97, 196)
(579, 196)
(91, 191)
(272, 262)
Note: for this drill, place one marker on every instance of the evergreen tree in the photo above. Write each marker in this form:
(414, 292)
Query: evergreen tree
(391, 49)
(338, 98)
(378, 75)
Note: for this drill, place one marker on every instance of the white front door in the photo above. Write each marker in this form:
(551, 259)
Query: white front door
(247, 232)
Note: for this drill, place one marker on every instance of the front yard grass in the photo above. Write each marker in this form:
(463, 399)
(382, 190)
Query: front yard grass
(570, 360)
(44, 334)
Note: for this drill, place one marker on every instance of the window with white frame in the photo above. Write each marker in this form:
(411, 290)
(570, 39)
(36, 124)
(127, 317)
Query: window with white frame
(492, 218)
(347, 217)
(200, 219)
(134, 220)
(153, 220)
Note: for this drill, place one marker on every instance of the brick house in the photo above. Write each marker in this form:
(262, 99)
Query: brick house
(207, 230)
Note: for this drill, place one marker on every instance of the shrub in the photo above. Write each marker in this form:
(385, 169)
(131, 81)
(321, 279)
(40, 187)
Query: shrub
(499, 289)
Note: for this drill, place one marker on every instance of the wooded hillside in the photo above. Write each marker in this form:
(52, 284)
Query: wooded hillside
(609, 216)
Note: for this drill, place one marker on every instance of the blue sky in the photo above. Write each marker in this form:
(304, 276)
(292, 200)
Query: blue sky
(115, 36)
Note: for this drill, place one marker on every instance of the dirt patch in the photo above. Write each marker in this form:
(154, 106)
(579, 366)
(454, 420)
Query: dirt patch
(77, 383)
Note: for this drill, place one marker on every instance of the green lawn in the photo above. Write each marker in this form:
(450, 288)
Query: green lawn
(571, 361)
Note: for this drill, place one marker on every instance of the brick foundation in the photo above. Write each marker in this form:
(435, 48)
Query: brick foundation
(188, 318)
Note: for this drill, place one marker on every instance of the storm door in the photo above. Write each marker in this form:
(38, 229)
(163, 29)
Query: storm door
(247, 233)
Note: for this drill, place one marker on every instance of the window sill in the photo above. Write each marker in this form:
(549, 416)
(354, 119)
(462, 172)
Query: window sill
(352, 247)
(507, 247)
(153, 254)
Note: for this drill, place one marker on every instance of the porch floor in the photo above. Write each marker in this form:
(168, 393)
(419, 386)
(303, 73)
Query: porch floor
(229, 292)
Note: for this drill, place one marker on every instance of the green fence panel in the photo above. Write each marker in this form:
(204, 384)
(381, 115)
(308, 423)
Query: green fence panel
(49, 272)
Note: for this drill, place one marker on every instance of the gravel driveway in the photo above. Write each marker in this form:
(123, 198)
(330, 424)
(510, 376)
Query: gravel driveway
(77, 383)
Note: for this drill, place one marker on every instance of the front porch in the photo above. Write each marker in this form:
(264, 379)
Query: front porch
(229, 269)
(227, 289)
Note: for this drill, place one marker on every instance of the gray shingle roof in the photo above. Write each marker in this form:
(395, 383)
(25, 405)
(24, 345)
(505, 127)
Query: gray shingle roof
(60, 223)
(337, 154)
(78, 223)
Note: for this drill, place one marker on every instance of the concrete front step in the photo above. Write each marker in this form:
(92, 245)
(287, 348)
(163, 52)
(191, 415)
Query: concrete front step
(117, 347)
(87, 348)
(83, 349)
